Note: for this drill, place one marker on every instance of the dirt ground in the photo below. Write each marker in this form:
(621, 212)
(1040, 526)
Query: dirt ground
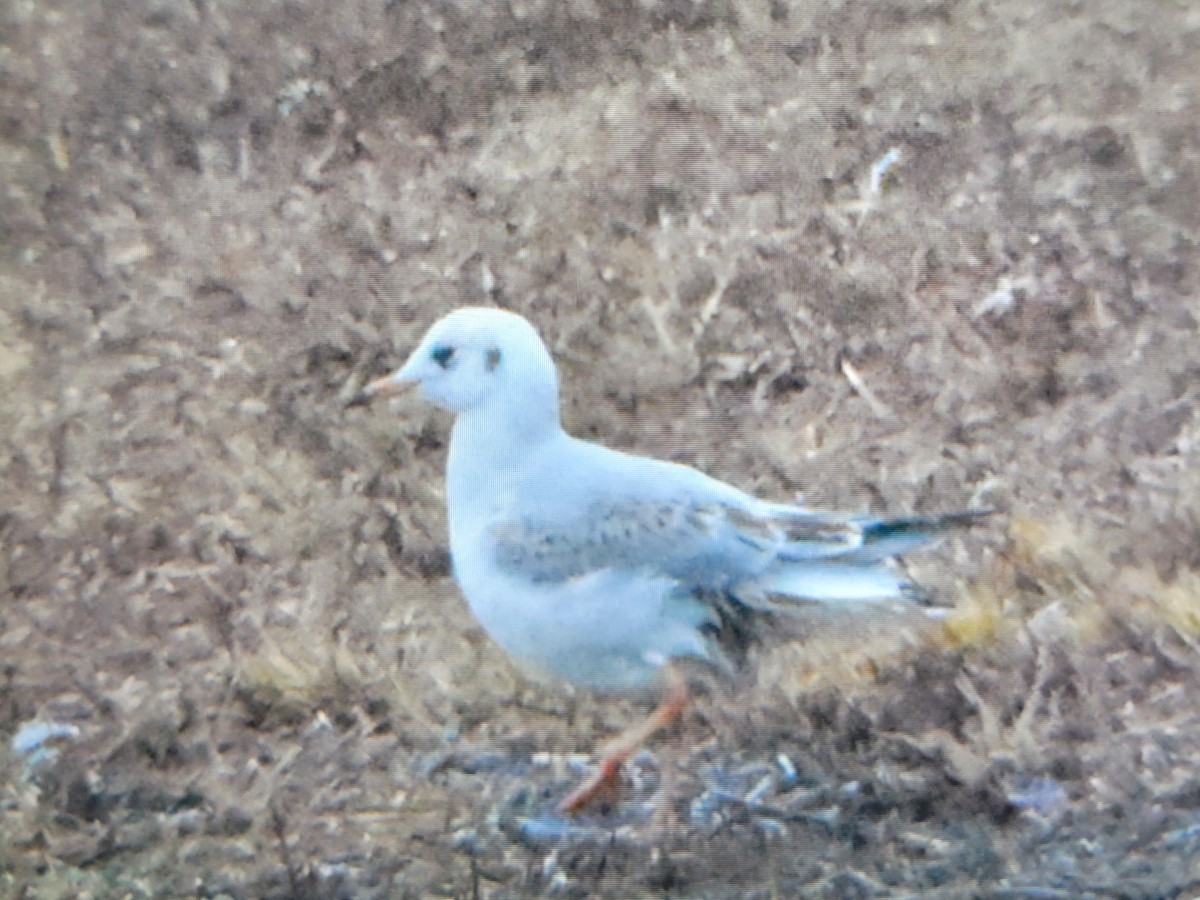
(889, 255)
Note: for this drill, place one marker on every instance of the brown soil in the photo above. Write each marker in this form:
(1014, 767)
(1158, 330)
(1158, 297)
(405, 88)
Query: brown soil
(220, 218)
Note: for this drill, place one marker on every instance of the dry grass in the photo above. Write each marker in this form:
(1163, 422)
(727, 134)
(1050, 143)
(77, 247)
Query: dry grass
(219, 221)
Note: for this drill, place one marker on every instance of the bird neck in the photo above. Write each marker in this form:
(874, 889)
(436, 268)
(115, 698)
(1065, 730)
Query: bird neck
(487, 442)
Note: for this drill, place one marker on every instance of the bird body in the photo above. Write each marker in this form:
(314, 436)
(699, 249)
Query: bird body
(563, 578)
(599, 566)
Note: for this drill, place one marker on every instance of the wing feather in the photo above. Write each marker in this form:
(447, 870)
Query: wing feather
(706, 544)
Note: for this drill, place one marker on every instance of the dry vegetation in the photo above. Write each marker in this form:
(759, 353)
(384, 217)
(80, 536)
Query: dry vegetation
(230, 594)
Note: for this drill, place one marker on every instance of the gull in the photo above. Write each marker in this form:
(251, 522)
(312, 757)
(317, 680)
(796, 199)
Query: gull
(605, 569)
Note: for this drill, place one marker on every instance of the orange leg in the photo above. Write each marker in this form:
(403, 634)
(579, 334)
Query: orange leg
(606, 783)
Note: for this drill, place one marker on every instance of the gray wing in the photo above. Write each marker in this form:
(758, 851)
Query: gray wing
(705, 544)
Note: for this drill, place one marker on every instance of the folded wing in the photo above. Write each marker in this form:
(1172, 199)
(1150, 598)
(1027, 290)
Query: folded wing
(757, 548)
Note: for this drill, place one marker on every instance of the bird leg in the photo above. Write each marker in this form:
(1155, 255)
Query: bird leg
(605, 784)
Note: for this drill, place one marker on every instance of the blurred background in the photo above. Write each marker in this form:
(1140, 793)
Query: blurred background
(885, 256)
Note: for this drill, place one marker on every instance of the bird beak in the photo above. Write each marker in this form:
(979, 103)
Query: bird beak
(385, 386)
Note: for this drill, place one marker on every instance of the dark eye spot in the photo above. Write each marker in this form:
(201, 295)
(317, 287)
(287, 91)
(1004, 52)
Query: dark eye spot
(442, 356)
(493, 358)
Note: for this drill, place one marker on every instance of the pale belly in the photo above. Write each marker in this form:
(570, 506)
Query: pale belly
(606, 630)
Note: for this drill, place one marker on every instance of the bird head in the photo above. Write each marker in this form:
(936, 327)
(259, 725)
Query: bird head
(476, 358)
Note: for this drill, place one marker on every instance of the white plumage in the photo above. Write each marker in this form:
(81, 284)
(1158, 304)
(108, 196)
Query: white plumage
(599, 566)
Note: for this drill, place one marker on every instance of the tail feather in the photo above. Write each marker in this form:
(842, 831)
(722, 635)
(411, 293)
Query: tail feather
(833, 582)
(859, 540)
(862, 573)
(885, 538)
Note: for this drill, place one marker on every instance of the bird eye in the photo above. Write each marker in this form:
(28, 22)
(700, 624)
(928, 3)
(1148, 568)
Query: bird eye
(442, 356)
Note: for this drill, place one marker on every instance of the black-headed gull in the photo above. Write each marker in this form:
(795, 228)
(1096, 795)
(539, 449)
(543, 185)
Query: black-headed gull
(601, 567)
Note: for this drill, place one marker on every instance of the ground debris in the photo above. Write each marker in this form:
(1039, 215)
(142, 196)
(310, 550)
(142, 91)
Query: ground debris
(870, 254)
